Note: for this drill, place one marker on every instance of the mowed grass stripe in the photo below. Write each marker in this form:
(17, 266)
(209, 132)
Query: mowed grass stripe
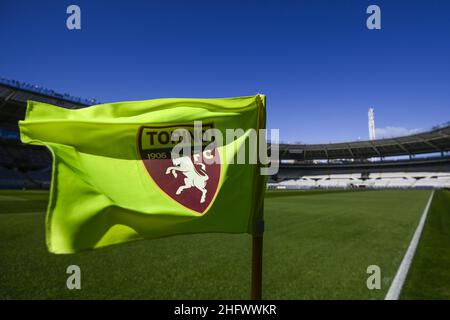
(35, 200)
(11, 198)
(322, 245)
(290, 193)
(315, 247)
(429, 275)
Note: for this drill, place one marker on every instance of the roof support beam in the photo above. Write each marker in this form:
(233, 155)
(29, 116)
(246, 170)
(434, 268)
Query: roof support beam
(402, 146)
(8, 97)
(443, 134)
(375, 148)
(350, 150)
(429, 143)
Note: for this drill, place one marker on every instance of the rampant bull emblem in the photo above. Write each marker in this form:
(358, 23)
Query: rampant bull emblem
(189, 180)
(193, 177)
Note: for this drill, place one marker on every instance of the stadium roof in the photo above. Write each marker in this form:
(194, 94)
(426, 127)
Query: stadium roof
(437, 140)
(14, 96)
(14, 93)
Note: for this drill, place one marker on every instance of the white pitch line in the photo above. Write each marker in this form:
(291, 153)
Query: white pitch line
(400, 277)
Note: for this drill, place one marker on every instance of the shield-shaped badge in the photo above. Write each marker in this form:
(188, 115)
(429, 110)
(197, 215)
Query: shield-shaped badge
(191, 180)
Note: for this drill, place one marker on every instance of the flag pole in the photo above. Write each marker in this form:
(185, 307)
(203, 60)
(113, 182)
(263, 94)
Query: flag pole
(257, 254)
(258, 223)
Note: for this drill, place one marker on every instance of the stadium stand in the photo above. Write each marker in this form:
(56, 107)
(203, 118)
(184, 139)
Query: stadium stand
(24, 166)
(371, 180)
(421, 160)
(416, 161)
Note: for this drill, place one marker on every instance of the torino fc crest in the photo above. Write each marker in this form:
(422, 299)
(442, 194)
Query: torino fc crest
(191, 179)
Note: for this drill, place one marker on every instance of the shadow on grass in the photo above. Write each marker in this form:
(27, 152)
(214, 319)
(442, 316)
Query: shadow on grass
(429, 276)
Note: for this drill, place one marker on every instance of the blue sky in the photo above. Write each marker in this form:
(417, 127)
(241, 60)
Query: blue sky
(316, 61)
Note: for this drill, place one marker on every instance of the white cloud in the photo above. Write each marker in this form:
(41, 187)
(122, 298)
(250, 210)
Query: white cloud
(390, 132)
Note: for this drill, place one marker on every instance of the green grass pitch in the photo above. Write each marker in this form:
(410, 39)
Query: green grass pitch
(317, 245)
(429, 276)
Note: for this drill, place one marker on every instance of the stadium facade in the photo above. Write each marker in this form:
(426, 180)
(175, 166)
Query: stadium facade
(416, 161)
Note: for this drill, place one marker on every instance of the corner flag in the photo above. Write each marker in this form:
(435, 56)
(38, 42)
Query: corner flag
(115, 180)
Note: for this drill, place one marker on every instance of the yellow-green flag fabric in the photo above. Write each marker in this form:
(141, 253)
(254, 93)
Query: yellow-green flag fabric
(114, 179)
